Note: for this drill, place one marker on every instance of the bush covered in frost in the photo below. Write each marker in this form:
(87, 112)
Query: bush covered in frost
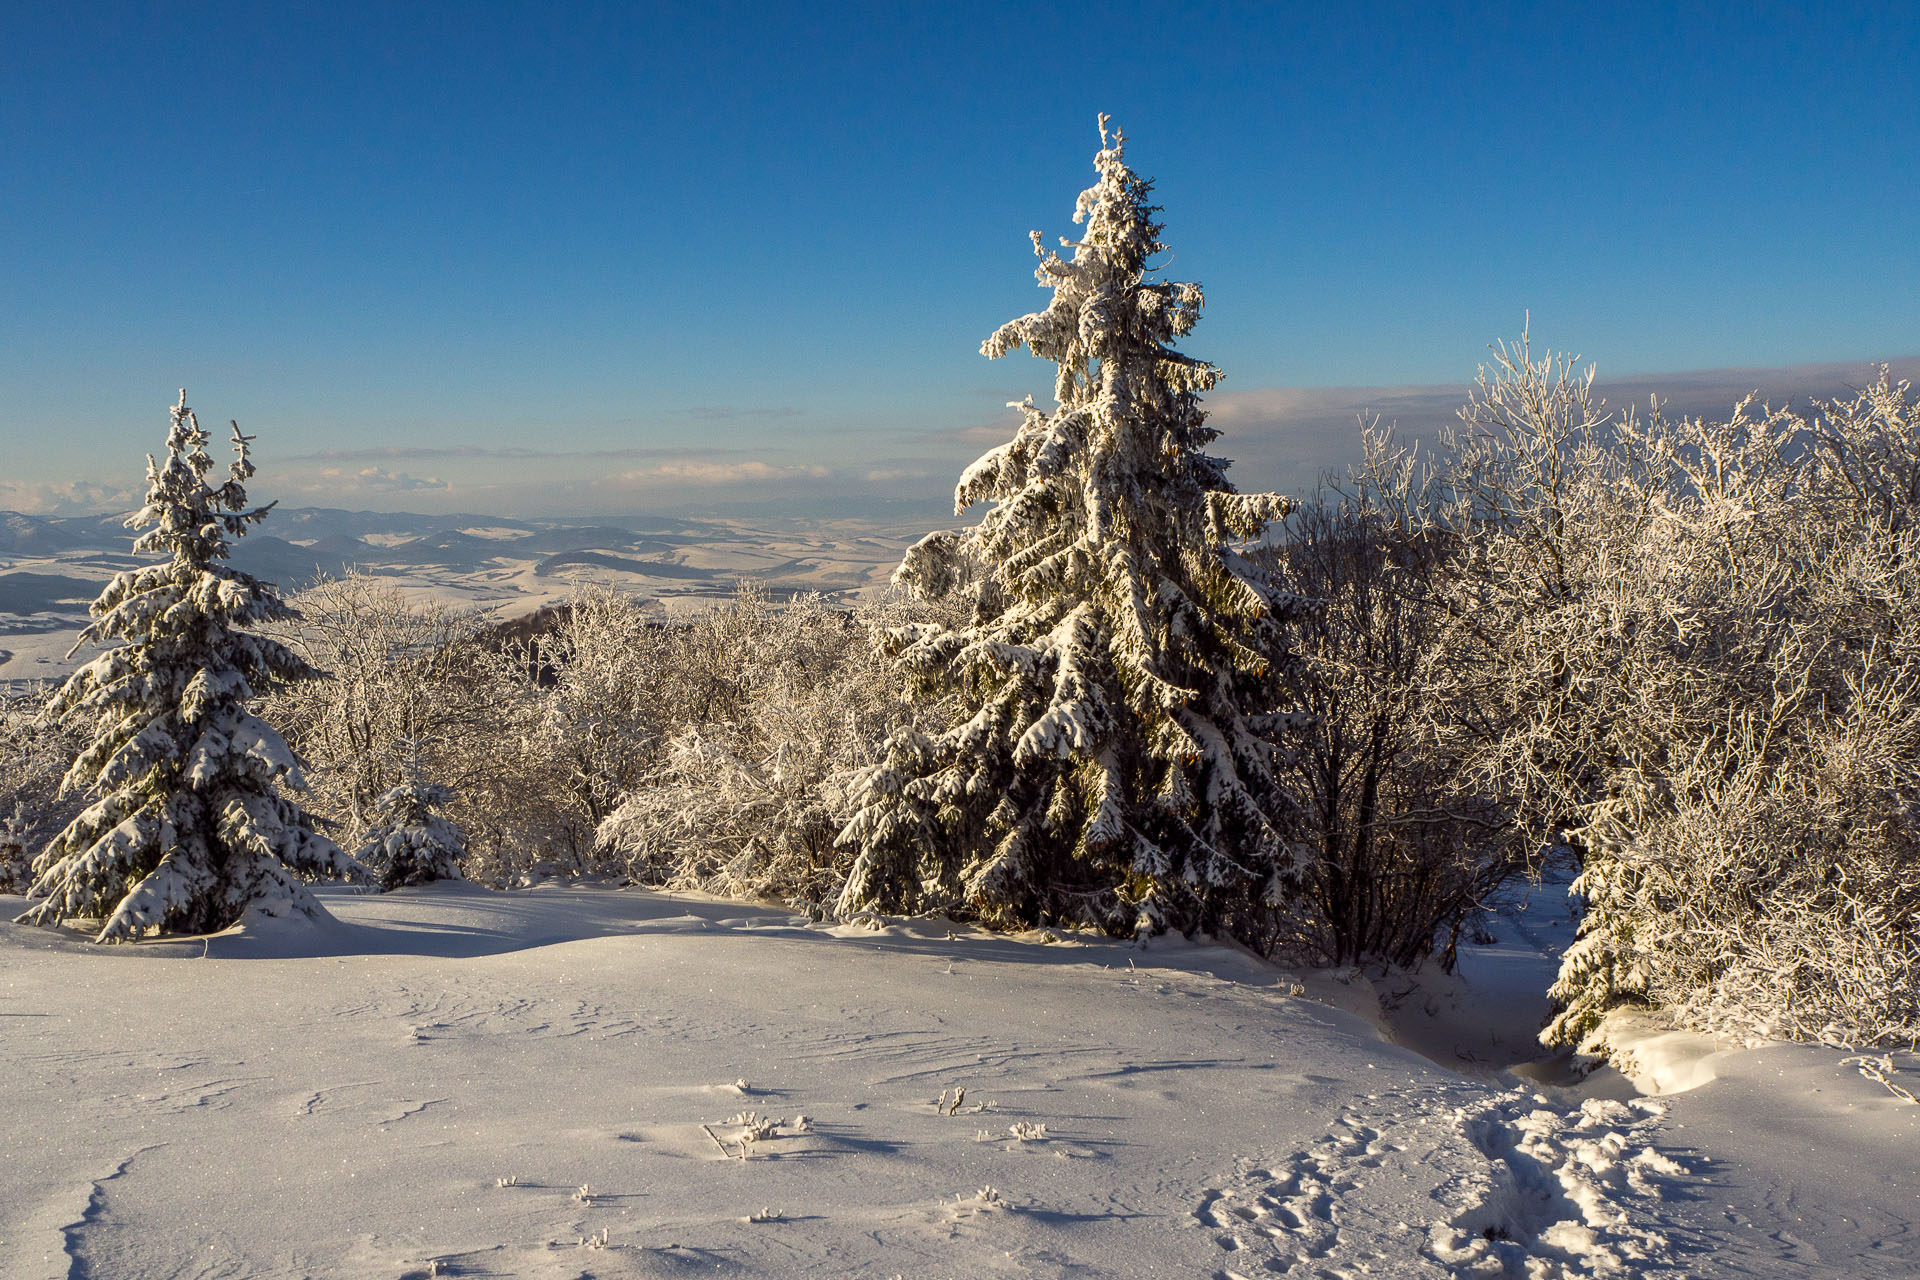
(1690, 650)
(34, 754)
(599, 737)
(16, 862)
(747, 799)
(535, 736)
(406, 683)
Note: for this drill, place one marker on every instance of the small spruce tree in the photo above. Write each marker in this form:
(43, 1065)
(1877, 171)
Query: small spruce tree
(409, 843)
(15, 873)
(1118, 686)
(188, 825)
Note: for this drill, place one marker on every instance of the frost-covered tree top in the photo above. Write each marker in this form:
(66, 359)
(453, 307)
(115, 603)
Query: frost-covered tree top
(188, 826)
(1121, 667)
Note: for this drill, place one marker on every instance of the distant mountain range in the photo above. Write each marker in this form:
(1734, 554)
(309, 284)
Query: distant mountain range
(51, 568)
(295, 546)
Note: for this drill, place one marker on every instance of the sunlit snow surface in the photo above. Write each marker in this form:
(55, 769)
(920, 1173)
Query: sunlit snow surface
(567, 1082)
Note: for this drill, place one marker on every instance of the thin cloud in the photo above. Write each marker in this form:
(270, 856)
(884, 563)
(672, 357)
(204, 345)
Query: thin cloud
(696, 471)
(729, 413)
(399, 453)
(336, 481)
(983, 436)
(1278, 438)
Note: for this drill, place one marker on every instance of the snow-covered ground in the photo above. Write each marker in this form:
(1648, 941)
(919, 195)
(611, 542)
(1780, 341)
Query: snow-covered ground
(570, 1082)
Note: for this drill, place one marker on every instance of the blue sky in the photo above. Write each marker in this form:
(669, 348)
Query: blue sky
(713, 254)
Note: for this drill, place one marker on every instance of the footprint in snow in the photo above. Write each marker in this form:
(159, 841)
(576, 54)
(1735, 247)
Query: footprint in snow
(1511, 1187)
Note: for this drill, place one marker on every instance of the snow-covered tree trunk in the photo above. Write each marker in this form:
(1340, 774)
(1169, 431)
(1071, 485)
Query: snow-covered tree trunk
(188, 825)
(1113, 758)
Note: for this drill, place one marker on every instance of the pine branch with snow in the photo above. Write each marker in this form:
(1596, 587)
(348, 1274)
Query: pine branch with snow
(189, 825)
(1106, 765)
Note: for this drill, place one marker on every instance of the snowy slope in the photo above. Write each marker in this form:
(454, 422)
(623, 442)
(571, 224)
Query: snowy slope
(348, 1099)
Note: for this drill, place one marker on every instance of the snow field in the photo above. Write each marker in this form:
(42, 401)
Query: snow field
(570, 1082)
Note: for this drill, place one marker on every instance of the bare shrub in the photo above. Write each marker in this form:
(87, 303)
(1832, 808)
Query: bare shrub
(1407, 848)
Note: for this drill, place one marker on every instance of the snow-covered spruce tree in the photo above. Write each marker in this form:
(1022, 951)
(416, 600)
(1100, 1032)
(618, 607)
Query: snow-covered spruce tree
(188, 827)
(409, 843)
(1115, 690)
(14, 864)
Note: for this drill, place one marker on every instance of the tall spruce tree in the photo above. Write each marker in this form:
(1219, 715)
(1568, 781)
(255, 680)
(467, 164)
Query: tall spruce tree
(1122, 677)
(188, 826)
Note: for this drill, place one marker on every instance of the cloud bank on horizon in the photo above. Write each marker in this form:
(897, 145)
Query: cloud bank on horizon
(1280, 439)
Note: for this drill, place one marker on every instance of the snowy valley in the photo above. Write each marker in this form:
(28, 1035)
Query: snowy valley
(52, 568)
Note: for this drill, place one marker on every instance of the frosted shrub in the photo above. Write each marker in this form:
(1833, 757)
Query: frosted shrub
(602, 716)
(1757, 869)
(402, 679)
(716, 737)
(417, 690)
(34, 754)
(189, 824)
(1691, 651)
(583, 714)
(1112, 757)
(533, 738)
(748, 801)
